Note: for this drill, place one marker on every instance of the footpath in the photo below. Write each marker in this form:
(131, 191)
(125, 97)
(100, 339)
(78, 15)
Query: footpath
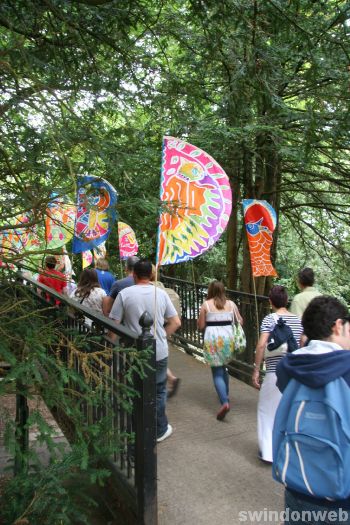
(208, 471)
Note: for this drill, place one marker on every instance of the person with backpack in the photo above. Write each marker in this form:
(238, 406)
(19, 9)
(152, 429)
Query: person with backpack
(311, 435)
(280, 333)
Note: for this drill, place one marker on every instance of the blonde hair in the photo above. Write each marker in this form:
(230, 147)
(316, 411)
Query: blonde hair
(102, 264)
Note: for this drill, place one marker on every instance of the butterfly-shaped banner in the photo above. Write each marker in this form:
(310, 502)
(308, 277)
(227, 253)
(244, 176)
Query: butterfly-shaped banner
(127, 241)
(96, 202)
(197, 200)
(260, 222)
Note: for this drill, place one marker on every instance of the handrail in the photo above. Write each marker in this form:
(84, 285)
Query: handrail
(238, 293)
(88, 312)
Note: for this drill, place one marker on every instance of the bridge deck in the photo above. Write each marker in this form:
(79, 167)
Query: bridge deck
(208, 471)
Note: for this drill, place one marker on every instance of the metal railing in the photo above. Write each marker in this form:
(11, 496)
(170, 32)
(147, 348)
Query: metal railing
(252, 308)
(133, 483)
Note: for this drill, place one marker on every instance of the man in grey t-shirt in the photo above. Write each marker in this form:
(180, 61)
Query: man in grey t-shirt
(128, 307)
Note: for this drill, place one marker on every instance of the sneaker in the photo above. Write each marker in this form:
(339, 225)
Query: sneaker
(166, 434)
(262, 459)
(223, 411)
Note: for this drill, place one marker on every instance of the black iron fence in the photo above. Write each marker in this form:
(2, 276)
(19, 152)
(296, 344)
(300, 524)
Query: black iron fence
(133, 482)
(252, 308)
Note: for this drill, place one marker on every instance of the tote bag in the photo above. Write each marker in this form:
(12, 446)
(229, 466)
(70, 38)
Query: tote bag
(239, 337)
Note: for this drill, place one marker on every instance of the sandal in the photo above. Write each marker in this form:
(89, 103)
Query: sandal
(174, 388)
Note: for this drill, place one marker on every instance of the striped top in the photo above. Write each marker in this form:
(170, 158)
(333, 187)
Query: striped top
(268, 324)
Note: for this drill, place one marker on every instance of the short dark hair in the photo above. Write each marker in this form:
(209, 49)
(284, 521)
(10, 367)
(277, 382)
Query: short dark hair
(130, 262)
(278, 296)
(143, 269)
(50, 262)
(320, 316)
(306, 277)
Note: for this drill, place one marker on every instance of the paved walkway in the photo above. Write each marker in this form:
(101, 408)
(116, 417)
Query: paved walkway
(208, 471)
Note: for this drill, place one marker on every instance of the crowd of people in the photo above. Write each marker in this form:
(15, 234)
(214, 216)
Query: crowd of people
(313, 356)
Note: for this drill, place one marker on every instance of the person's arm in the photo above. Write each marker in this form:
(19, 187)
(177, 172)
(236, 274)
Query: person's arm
(107, 304)
(172, 324)
(259, 358)
(202, 318)
(116, 314)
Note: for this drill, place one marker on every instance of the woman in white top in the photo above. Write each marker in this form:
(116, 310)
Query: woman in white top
(216, 317)
(88, 292)
(269, 395)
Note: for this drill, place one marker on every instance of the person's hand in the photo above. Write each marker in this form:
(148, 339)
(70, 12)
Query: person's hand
(256, 378)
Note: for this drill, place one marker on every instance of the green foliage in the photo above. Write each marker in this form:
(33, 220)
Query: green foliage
(59, 489)
(57, 494)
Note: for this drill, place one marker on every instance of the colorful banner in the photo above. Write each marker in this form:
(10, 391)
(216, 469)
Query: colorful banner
(260, 221)
(127, 241)
(21, 239)
(197, 201)
(87, 258)
(96, 202)
(59, 222)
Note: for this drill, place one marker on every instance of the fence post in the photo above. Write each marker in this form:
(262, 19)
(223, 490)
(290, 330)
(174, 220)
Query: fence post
(145, 431)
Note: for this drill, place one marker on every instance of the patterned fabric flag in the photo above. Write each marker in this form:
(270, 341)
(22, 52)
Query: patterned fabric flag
(100, 251)
(96, 202)
(260, 221)
(20, 239)
(127, 241)
(197, 201)
(59, 222)
(87, 258)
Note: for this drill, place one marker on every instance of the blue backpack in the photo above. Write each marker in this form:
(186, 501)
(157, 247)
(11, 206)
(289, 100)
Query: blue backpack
(311, 440)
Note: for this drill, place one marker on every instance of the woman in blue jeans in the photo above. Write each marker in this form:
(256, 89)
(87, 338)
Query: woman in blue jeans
(216, 317)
